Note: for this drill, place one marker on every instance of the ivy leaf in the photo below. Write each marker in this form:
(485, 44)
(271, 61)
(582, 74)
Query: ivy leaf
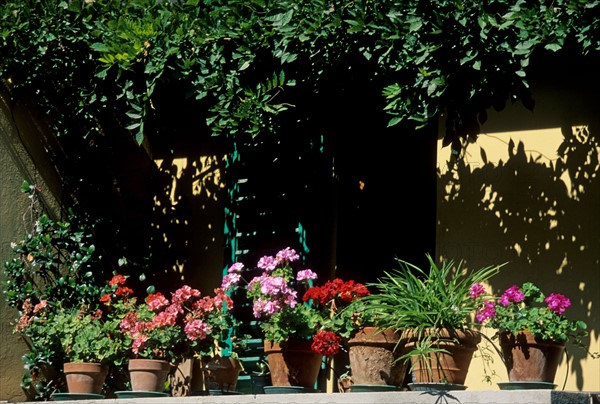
(553, 47)
(431, 88)
(100, 47)
(282, 18)
(415, 25)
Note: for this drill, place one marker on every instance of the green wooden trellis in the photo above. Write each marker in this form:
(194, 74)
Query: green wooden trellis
(268, 184)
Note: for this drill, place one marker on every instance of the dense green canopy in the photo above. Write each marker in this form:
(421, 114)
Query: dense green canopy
(100, 63)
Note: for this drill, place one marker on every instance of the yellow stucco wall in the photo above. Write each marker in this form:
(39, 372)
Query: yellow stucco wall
(527, 192)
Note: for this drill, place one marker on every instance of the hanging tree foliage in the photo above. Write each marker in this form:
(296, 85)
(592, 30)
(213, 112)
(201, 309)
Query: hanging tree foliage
(94, 64)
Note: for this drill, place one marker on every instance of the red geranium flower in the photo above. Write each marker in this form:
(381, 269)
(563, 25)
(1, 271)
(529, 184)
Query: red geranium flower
(326, 343)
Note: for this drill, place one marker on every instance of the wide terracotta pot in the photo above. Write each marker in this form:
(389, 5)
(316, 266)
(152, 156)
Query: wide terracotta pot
(85, 377)
(148, 374)
(293, 363)
(373, 356)
(528, 359)
(444, 367)
(220, 373)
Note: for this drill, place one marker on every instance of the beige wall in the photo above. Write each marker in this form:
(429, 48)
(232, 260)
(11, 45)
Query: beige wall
(15, 166)
(528, 193)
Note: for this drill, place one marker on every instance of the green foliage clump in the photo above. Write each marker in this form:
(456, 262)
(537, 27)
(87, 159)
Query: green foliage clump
(411, 298)
(99, 64)
(50, 278)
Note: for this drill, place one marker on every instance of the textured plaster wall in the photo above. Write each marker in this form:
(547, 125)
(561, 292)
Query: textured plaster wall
(15, 166)
(11, 208)
(527, 192)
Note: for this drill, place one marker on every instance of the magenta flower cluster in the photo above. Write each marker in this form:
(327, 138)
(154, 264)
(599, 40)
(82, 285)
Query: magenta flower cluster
(556, 302)
(488, 309)
(512, 294)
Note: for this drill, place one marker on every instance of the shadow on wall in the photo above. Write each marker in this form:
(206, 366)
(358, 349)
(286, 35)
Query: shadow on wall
(187, 221)
(540, 216)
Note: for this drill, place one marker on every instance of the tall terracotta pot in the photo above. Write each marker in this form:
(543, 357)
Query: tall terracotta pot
(148, 374)
(293, 363)
(85, 377)
(373, 357)
(528, 359)
(451, 367)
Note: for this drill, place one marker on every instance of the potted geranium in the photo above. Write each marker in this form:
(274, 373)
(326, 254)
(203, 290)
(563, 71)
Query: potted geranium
(297, 321)
(91, 344)
(88, 342)
(165, 330)
(212, 333)
(371, 351)
(532, 331)
(433, 310)
(152, 329)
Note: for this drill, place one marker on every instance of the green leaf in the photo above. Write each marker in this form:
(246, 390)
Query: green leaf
(394, 121)
(431, 88)
(415, 25)
(553, 47)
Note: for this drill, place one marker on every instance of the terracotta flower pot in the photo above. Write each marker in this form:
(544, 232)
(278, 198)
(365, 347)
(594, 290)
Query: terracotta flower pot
(373, 355)
(293, 363)
(220, 373)
(85, 377)
(148, 374)
(528, 359)
(451, 367)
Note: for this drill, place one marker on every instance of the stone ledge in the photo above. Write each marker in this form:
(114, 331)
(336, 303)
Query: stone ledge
(404, 397)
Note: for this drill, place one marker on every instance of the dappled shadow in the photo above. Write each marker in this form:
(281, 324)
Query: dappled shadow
(187, 221)
(541, 217)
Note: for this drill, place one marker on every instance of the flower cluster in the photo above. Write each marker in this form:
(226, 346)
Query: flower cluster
(336, 293)
(527, 308)
(288, 306)
(326, 343)
(185, 325)
(334, 299)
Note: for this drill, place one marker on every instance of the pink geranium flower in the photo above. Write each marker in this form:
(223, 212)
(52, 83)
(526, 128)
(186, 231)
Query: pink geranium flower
(236, 268)
(305, 275)
(512, 294)
(476, 290)
(196, 329)
(287, 254)
(230, 280)
(40, 306)
(557, 303)
(488, 311)
(267, 263)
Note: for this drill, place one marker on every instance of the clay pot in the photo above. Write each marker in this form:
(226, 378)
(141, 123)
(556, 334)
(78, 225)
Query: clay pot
(373, 357)
(220, 373)
(293, 363)
(148, 374)
(451, 367)
(528, 359)
(85, 377)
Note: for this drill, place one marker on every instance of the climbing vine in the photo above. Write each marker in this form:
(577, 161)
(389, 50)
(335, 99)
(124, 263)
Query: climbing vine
(96, 64)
